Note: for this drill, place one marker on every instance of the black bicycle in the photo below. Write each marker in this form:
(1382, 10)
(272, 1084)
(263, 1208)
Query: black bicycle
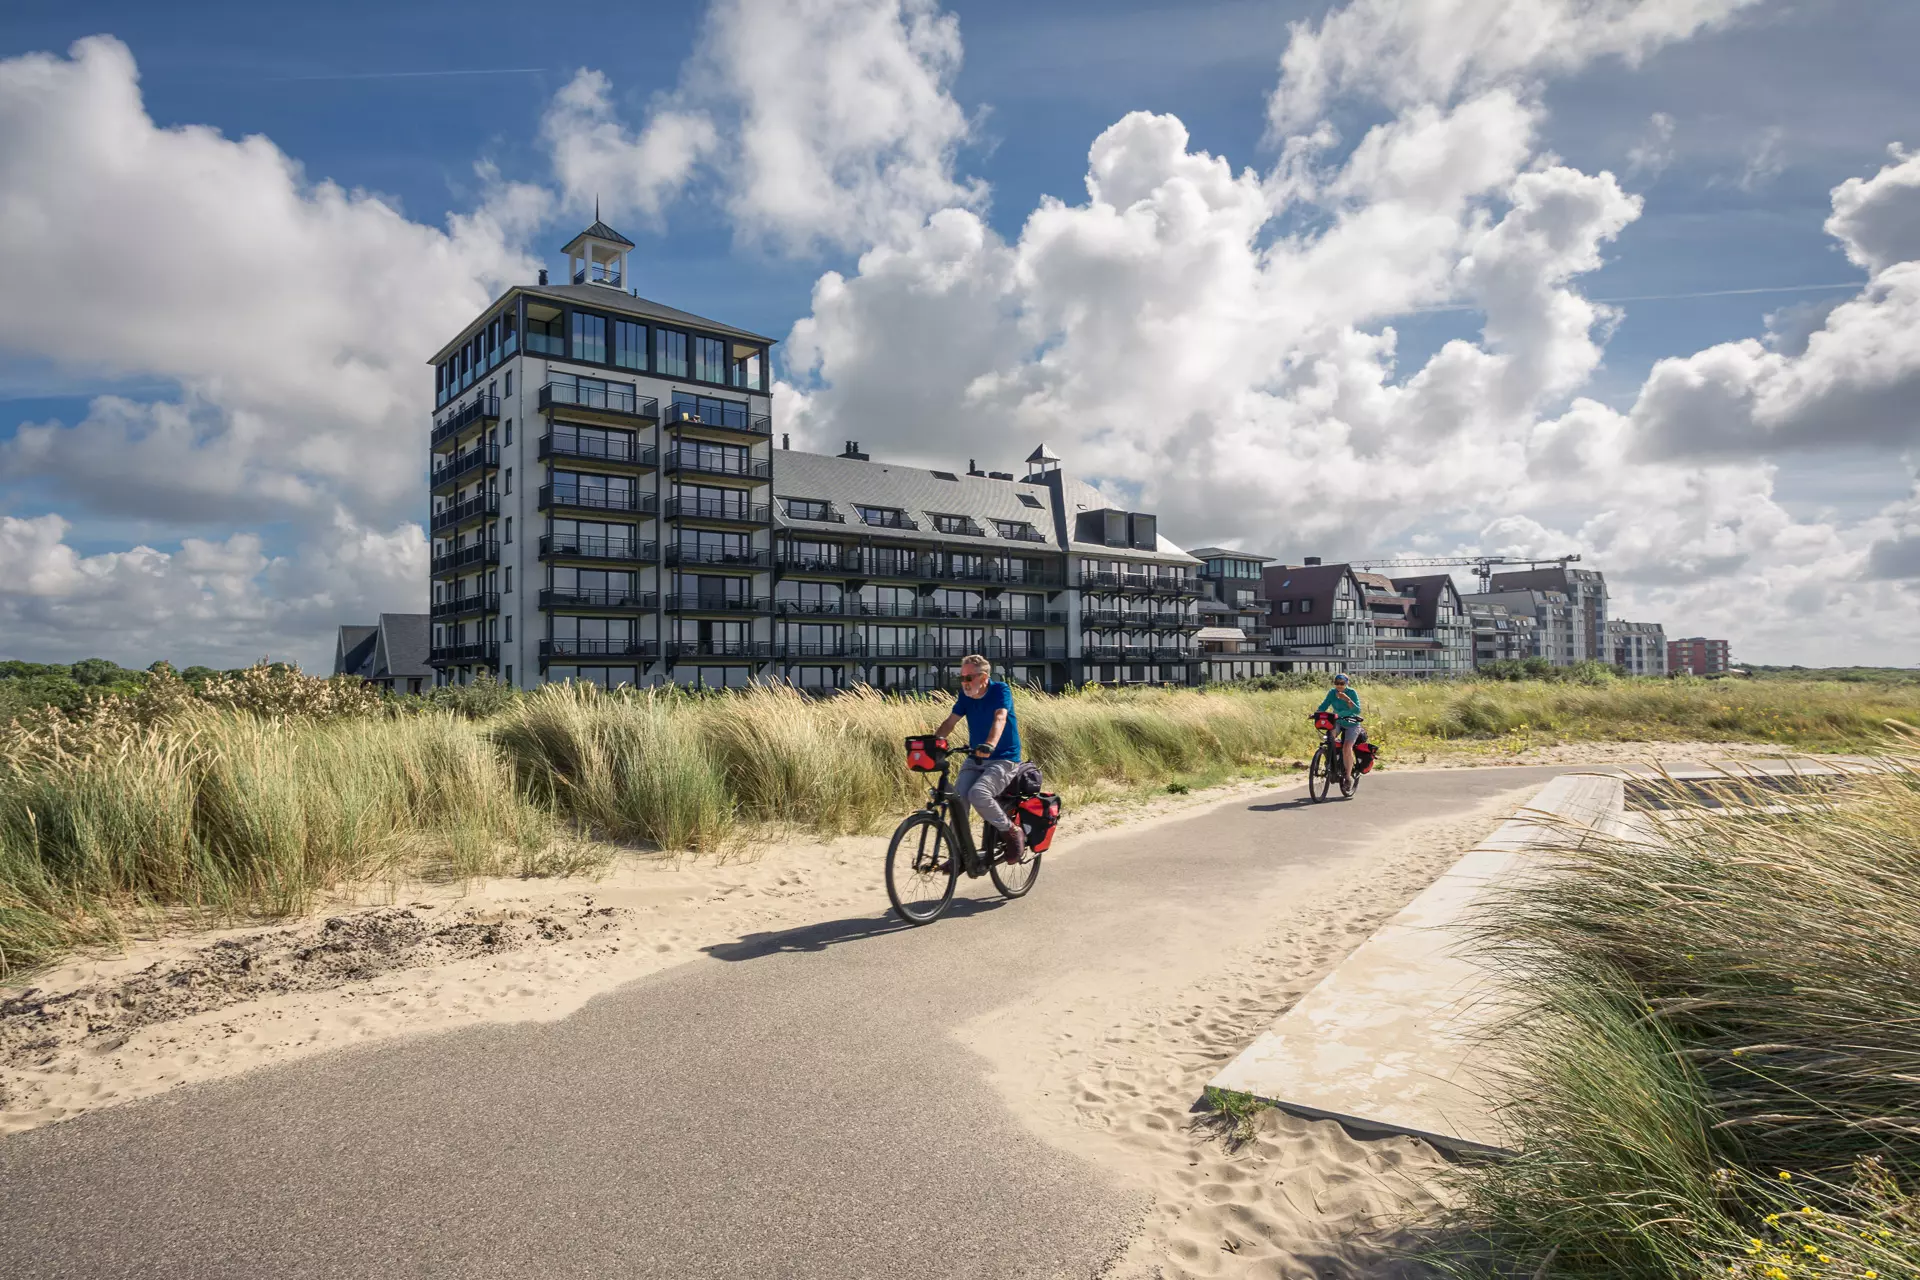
(1330, 763)
(933, 846)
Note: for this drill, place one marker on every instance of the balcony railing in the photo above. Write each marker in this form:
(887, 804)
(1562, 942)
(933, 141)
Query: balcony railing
(718, 509)
(563, 598)
(752, 558)
(880, 518)
(883, 608)
(981, 572)
(621, 400)
(1164, 653)
(815, 608)
(807, 562)
(485, 455)
(478, 651)
(886, 648)
(694, 602)
(551, 649)
(720, 649)
(481, 504)
(1024, 533)
(623, 450)
(592, 499)
(730, 415)
(1035, 617)
(482, 407)
(718, 464)
(828, 516)
(465, 557)
(561, 545)
(477, 602)
(810, 649)
(598, 273)
(958, 526)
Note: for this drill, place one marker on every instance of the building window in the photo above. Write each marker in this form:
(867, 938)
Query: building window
(509, 430)
(589, 337)
(709, 360)
(807, 509)
(669, 353)
(508, 637)
(509, 577)
(509, 529)
(1016, 529)
(884, 517)
(952, 524)
(543, 336)
(747, 363)
(629, 344)
(1306, 604)
(509, 384)
(509, 479)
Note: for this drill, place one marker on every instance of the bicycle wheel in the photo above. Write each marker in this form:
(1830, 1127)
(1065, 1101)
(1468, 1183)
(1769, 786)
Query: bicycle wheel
(1320, 774)
(1014, 879)
(923, 865)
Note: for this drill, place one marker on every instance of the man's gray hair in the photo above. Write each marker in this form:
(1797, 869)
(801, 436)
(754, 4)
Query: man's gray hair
(978, 660)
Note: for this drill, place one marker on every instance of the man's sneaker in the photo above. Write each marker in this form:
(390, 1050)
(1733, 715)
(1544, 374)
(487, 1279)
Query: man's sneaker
(1013, 844)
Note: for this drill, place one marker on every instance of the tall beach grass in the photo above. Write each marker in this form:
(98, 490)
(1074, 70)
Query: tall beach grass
(253, 794)
(1717, 1049)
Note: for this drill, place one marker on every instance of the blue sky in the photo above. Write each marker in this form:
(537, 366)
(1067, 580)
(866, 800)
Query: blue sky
(1765, 115)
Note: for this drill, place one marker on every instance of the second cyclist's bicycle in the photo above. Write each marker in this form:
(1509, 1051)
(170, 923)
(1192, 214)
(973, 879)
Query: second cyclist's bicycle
(934, 845)
(1330, 765)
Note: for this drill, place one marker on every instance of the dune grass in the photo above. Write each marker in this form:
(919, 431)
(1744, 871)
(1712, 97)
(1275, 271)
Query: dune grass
(1717, 1050)
(254, 794)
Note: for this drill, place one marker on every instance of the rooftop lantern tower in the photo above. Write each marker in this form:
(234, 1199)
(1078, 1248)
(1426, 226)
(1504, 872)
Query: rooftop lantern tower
(598, 255)
(1042, 462)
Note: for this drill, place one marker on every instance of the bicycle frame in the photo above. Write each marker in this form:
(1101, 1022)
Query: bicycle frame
(947, 803)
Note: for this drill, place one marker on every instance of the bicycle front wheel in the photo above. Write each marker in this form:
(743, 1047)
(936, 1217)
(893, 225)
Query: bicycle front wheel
(923, 865)
(1320, 774)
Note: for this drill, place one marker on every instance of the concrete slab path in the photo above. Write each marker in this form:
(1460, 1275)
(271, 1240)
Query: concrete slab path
(793, 1106)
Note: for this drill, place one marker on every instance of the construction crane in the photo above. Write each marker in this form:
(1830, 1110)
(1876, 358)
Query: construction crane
(1481, 565)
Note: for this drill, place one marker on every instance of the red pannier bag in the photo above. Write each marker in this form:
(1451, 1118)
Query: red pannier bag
(926, 755)
(1363, 754)
(1039, 815)
(1323, 720)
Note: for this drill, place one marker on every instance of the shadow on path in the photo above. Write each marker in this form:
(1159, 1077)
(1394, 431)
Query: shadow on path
(818, 937)
(1281, 806)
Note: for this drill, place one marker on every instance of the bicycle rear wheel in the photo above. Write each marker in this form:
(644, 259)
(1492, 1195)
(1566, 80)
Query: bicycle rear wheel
(1014, 879)
(1320, 774)
(923, 865)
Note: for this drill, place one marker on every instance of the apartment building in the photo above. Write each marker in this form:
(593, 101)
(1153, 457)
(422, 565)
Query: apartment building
(1499, 634)
(1237, 631)
(1337, 618)
(1638, 648)
(1698, 656)
(1583, 597)
(608, 507)
(601, 476)
(1553, 632)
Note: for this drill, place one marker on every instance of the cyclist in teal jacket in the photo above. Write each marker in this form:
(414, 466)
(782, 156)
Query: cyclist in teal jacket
(1344, 701)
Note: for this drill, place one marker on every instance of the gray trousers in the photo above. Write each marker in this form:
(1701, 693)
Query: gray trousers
(980, 784)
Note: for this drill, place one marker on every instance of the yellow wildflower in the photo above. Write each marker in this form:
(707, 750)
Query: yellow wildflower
(1785, 1176)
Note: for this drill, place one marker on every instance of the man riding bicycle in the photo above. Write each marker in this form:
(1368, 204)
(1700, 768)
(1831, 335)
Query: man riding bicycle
(993, 752)
(1344, 701)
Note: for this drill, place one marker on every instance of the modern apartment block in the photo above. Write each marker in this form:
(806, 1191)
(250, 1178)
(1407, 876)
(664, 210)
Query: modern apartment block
(601, 486)
(1582, 607)
(1499, 634)
(1332, 617)
(1698, 656)
(1638, 648)
(1237, 629)
(608, 507)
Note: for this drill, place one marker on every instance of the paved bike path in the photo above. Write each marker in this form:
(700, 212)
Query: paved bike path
(794, 1106)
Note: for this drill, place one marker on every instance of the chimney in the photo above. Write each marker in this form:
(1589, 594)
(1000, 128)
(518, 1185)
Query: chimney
(786, 440)
(999, 475)
(543, 275)
(1311, 560)
(853, 451)
(973, 468)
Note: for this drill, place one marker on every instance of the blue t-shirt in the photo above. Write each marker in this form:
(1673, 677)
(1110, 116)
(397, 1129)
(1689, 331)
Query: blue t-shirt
(979, 714)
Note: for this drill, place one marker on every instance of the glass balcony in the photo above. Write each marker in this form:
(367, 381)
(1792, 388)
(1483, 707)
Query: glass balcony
(579, 498)
(625, 601)
(710, 411)
(570, 444)
(481, 504)
(559, 546)
(600, 399)
(480, 553)
(480, 409)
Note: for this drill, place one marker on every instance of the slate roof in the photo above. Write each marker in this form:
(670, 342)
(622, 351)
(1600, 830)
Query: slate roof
(922, 493)
(353, 651)
(1428, 589)
(601, 298)
(395, 647)
(598, 231)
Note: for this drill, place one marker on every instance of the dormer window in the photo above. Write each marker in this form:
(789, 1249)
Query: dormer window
(885, 517)
(1018, 530)
(962, 525)
(808, 509)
